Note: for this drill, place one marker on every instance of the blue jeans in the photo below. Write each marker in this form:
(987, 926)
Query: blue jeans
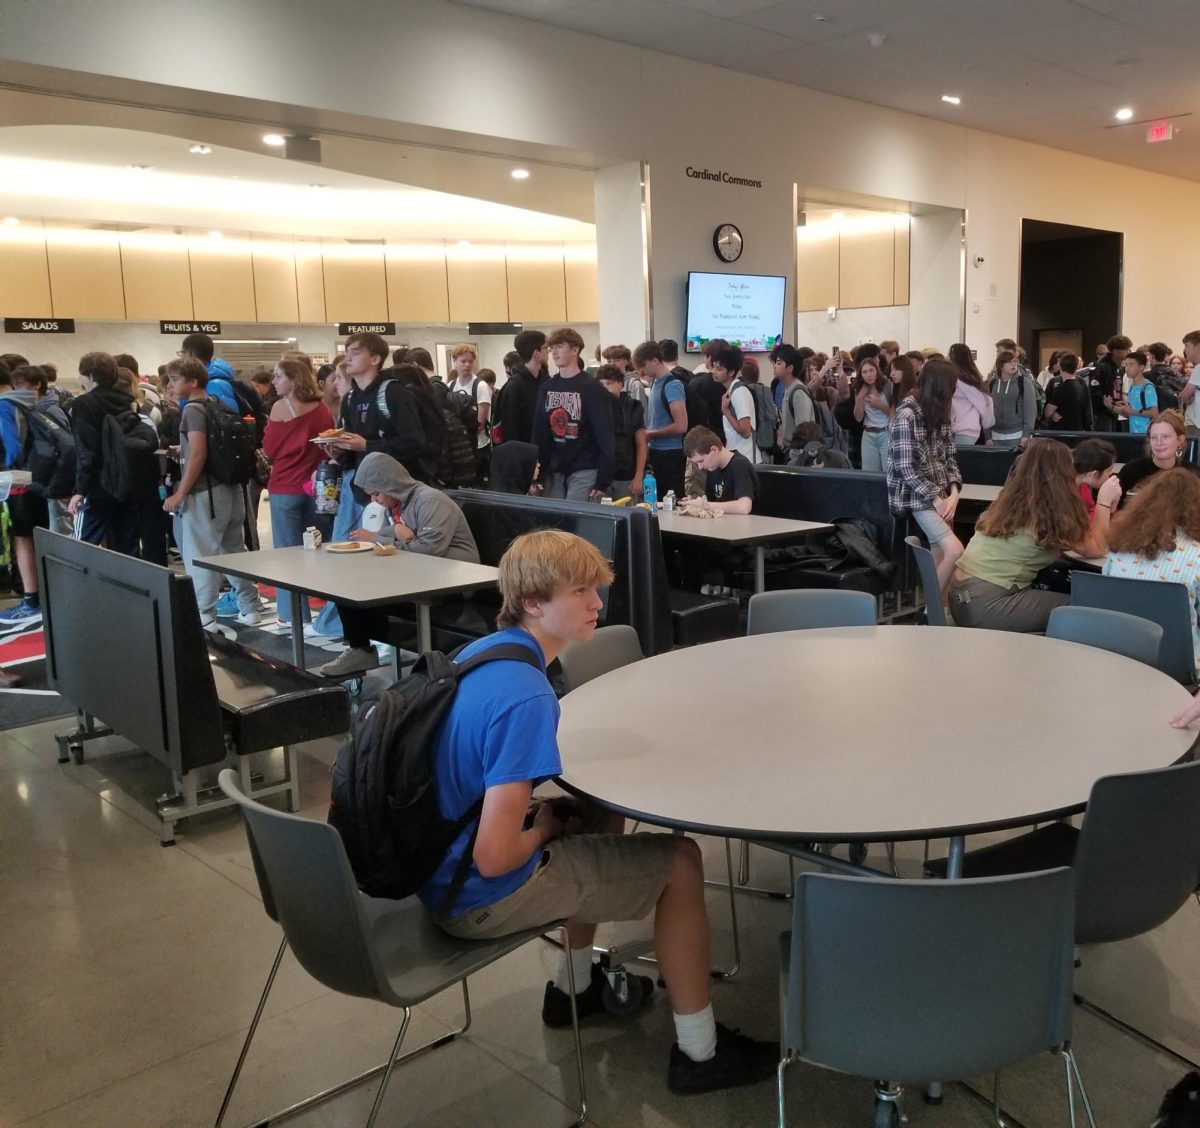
(875, 451)
(291, 514)
(349, 515)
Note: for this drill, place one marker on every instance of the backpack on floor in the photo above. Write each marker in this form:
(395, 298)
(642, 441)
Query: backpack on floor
(48, 454)
(232, 444)
(128, 463)
(1181, 1106)
(383, 800)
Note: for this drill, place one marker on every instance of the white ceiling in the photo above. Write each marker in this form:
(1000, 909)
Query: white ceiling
(83, 173)
(1048, 71)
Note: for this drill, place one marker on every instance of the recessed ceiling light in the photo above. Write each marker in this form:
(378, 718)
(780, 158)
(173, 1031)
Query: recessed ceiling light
(520, 174)
(216, 234)
(200, 150)
(1124, 114)
(953, 99)
(463, 243)
(11, 221)
(318, 185)
(838, 216)
(275, 139)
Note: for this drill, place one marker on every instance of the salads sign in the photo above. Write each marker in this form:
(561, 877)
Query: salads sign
(39, 325)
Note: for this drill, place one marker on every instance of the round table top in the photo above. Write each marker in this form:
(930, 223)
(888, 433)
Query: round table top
(872, 733)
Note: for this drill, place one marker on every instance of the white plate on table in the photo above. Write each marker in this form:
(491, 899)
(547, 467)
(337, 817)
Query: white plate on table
(349, 546)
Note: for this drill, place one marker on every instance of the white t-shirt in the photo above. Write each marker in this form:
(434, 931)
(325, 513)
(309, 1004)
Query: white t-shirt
(483, 394)
(741, 404)
(1192, 417)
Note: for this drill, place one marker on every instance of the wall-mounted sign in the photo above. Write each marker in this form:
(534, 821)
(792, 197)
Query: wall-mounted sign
(1159, 131)
(721, 177)
(383, 328)
(39, 325)
(493, 328)
(186, 327)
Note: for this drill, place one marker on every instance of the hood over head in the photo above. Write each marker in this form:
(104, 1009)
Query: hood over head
(380, 473)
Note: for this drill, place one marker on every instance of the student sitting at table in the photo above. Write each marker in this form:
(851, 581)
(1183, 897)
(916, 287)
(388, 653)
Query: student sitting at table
(1157, 537)
(534, 862)
(1038, 515)
(424, 521)
(730, 480)
(1164, 449)
(1094, 460)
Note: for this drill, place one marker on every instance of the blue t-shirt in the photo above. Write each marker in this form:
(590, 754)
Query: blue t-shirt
(660, 416)
(502, 728)
(1141, 396)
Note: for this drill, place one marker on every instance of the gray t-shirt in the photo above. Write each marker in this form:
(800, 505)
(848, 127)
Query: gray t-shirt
(797, 408)
(192, 418)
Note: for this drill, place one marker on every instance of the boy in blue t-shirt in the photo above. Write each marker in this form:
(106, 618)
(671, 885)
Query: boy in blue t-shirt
(539, 861)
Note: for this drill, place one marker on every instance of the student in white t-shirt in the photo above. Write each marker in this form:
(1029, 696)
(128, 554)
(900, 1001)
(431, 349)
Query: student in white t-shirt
(464, 358)
(1187, 396)
(737, 404)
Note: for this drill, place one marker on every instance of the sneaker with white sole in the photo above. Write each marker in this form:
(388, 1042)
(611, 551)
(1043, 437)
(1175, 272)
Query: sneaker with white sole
(249, 618)
(350, 663)
(311, 632)
(23, 615)
(227, 605)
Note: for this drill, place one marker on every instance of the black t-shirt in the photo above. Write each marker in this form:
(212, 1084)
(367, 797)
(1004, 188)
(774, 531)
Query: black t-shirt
(627, 419)
(736, 480)
(711, 393)
(1102, 381)
(1134, 473)
(1070, 399)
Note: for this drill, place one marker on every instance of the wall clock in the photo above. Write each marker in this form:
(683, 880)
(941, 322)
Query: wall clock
(728, 243)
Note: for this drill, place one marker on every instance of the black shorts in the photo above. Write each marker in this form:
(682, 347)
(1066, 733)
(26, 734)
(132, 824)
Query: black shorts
(27, 512)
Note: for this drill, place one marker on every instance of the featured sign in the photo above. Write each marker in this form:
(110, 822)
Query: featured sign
(39, 325)
(186, 327)
(493, 328)
(721, 177)
(383, 328)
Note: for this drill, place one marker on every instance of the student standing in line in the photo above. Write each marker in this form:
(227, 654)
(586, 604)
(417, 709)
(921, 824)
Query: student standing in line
(667, 421)
(706, 384)
(1014, 400)
(466, 383)
(796, 405)
(517, 398)
(923, 476)
(572, 426)
(1068, 403)
(629, 436)
(737, 403)
(872, 410)
(1140, 404)
(971, 412)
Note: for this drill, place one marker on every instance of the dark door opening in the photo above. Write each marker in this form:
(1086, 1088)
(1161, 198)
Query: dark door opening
(1070, 288)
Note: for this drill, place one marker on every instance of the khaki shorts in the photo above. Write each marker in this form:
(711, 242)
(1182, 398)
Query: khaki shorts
(588, 878)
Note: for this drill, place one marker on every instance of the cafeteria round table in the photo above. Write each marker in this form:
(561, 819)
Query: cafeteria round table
(866, 733)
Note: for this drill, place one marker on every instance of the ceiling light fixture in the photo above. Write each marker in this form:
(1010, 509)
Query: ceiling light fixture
(200, 150)
(1124, 114)
(520, 174)
(11, 221)
(463, 243)
(274, 139)
(214, 234)
(318, 185)
(953, 99)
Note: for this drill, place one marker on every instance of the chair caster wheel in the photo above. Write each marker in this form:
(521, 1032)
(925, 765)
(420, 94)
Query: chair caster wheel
(932, 1100)
(858, 852)
(76, 750)
(620, 993)
(887, 1115)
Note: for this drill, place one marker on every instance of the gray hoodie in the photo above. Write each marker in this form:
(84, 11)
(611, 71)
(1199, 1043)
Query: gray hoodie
(441, 528)
(1015, 403)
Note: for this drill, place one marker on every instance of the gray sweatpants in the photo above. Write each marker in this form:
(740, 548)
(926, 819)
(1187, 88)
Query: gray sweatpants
(204, 530)
(977, 603)
(574, 486)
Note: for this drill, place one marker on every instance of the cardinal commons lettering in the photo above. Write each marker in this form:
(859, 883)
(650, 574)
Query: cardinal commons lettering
(722, 177)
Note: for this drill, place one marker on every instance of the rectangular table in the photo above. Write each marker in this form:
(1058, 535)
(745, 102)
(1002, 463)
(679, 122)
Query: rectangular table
(742, 529)
(361, 579)
(976, 491)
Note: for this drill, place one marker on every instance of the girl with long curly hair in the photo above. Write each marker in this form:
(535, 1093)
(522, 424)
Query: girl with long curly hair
(1038, 515)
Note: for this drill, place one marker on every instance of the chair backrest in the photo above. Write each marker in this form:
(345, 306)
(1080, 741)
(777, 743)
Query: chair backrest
(801, 609)
(1138, 857)
(1163, 603)
(308, 887)
(609, 648)
(910, 980)
(1129, 635)
(935, 610)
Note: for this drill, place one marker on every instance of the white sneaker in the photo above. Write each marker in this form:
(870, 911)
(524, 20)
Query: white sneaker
(249, 618)
(350, 664)
(310, 631)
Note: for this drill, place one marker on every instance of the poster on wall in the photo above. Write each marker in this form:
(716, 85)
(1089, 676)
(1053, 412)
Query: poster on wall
(744, 309)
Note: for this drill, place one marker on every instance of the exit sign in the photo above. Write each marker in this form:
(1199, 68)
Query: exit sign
(1159, 131)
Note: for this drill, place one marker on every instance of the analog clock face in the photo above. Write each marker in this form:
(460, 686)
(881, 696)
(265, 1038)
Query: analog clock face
(727, 242)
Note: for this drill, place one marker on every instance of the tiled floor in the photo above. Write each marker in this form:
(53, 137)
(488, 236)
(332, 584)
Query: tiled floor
(129, 972)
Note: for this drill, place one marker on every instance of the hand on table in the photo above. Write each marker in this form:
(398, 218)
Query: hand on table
(363, 536)
(1191, 713)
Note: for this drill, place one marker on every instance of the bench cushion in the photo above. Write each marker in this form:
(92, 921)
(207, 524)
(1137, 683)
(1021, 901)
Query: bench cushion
(699, 618)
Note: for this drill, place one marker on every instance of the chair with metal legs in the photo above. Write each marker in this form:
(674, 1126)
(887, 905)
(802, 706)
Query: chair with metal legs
(935, 609)
(374, 948)
(916, 979)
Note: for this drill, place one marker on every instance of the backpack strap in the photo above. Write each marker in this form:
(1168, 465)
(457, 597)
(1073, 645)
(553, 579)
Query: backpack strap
(504, 651)
(381, 402)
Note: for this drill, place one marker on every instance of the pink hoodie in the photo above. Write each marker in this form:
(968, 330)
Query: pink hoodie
(971, 411)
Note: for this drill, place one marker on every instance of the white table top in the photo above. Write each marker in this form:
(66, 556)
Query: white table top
(748, 528)
(976, 491)
(362, 578)
(872, 733)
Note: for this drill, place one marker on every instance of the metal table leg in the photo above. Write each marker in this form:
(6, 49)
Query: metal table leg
(760, 568)
(424, 628)
(294, 599)
(954, 868)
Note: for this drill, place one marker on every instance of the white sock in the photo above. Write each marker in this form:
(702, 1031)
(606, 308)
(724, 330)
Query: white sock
(697, 1034)
(581, 964)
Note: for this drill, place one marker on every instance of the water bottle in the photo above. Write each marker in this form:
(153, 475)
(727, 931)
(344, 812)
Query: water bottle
(327, 489)
(650, 489)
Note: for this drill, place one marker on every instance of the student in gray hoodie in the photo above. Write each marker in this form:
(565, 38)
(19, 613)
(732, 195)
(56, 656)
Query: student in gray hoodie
(423, 520)
(1014, 399)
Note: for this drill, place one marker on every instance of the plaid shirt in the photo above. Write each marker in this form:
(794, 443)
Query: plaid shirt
(920, 469)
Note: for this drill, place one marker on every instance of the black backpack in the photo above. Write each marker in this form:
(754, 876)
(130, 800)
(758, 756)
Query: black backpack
(1181, 1106)
(231, 444)
(48, 454)
(383, 800)
(465, 405)
(697, 409)
(250, 404)
(128, 464)
(456, 467)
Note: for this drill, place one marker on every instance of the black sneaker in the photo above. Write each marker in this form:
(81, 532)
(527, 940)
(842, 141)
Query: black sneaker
(738, 1061)
(556, 1005)
(1181, 1106)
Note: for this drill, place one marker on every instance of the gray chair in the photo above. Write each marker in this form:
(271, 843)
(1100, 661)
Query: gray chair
(1130, 635)
(799, 609)
(375, 948)
(609, 648)
(935, 610)
(1163, 603)
(908, 980)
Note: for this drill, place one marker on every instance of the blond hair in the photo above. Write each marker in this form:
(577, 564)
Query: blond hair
(537, 564)
(464, 347)
(304, 383)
